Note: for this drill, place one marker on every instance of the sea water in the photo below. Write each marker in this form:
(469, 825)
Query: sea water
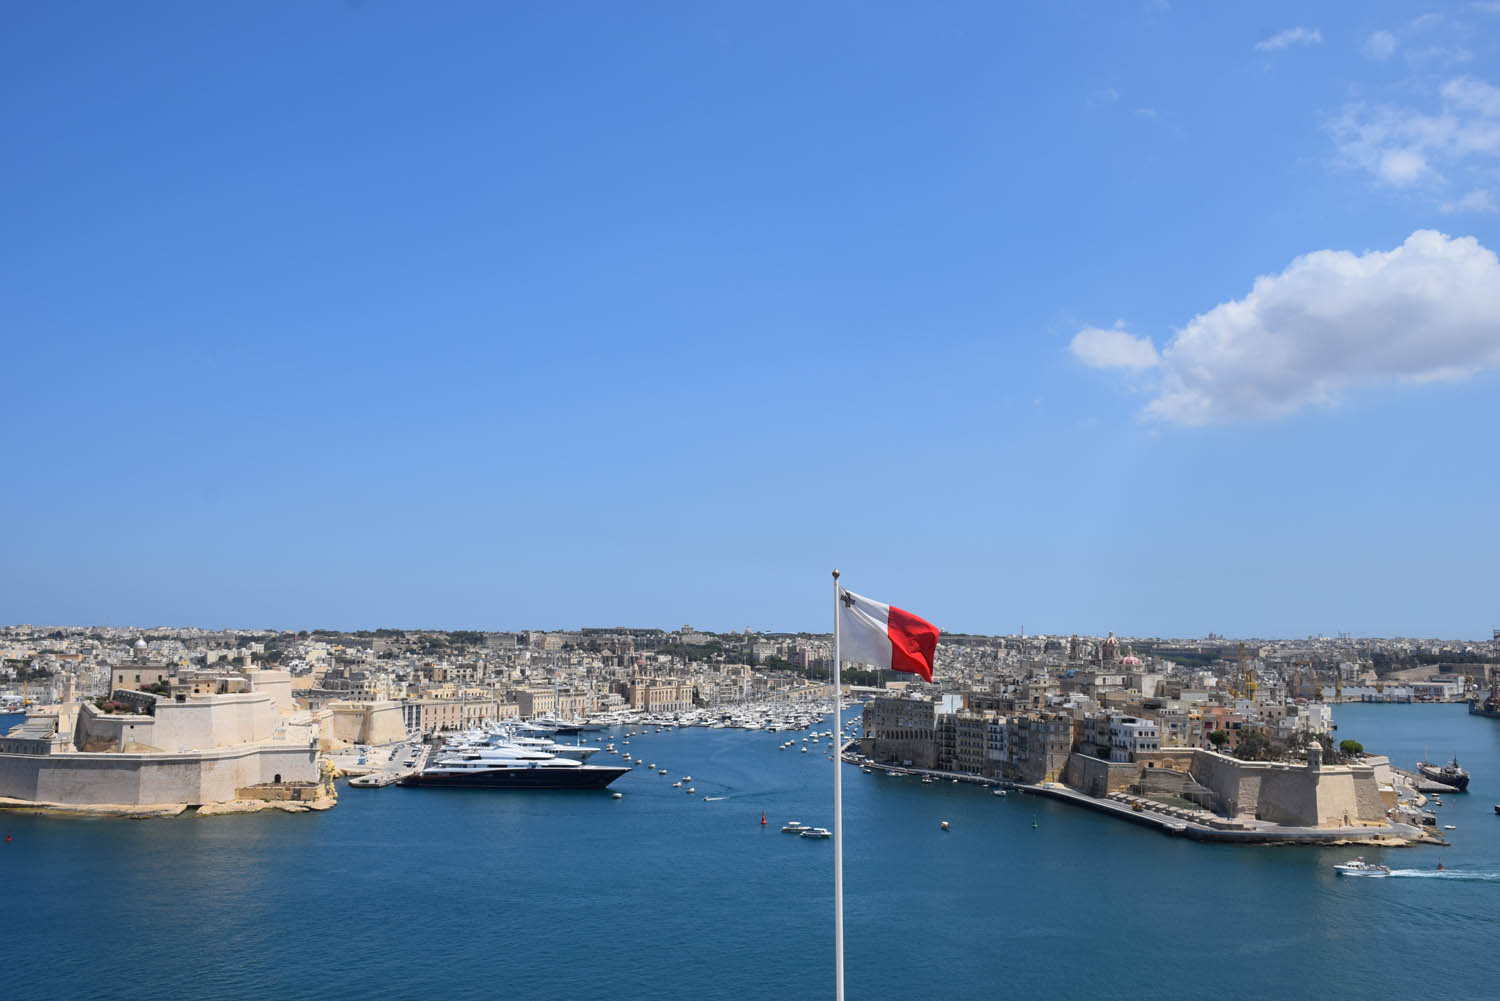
(664, 895)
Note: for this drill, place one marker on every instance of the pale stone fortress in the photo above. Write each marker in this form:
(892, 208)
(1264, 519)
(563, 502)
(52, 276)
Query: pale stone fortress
(194, 741)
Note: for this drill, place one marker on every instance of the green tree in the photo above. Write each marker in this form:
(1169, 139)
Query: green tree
(1253, 746)
(1218, 738)
(1350, 748)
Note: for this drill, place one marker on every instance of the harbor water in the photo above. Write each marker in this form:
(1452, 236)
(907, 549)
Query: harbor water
(668, 896)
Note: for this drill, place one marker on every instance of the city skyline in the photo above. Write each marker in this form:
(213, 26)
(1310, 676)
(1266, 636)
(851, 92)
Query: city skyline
(1160, 320)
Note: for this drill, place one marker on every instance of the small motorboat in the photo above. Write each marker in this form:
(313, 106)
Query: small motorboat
(794, 827)
(816, 832)
(943, 825)
(1450, 827)
(1359, 867)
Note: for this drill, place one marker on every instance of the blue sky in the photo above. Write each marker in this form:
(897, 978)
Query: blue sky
(522, 315)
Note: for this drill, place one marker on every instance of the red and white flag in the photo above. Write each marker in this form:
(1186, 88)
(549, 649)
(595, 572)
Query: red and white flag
(885, 636)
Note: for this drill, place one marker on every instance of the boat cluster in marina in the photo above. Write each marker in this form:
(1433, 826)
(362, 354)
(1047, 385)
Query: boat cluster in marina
(771, 716)
(502, 756)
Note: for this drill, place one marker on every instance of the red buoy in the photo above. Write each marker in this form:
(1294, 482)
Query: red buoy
(762, 820)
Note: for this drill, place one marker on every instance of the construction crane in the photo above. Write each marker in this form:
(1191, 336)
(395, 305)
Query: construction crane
(1247, 676)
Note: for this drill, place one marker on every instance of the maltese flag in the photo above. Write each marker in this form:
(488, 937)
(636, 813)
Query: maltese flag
(885, 636)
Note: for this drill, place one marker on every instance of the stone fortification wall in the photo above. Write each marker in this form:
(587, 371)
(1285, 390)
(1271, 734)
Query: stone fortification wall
(345, 723)
(1295, 795)
(1370, 802)
(193, 724)
(363, 723)
(19, 773)
(214, 721)
(1178, 759)
(139, 779)
(1288, 794)
(383, 723)
(276, 684)
(96, 730)
(1097, 777)
(1237, 788)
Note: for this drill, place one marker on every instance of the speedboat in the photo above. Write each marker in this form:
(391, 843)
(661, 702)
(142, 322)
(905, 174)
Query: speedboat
(794, 827)
(1359, 867)
(816, 832)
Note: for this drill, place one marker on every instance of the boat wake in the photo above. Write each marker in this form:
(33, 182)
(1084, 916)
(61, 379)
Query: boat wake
(1476, 877)
(713, 799)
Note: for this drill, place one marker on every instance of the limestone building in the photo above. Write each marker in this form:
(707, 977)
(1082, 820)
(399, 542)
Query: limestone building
(143, 749)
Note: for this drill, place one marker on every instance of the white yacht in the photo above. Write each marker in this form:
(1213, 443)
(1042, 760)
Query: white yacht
(511, 768)
(1359, 867)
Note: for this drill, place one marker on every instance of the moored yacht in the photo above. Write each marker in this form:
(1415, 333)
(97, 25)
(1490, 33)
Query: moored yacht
(511, 768)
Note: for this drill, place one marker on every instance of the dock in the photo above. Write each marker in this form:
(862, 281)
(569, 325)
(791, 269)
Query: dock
(1422, 783)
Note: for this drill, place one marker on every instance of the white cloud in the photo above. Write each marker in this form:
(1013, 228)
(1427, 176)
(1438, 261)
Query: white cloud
(1401, 166)
(1478, 200)
(1113, 348)
(1402, 146)
(1468, 94)
(1380, 45)
(1441, 55)
(1117, 348)
(1333, 320)
(1101, 97)
(1147, 112)
(1289, 37)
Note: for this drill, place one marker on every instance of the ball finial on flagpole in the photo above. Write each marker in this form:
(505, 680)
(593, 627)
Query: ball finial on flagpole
(835, 573)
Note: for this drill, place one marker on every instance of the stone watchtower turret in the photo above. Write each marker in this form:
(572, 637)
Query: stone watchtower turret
(1315, 756)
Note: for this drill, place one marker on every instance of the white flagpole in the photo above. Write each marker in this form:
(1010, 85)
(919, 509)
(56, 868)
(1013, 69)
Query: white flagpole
(838, 808)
